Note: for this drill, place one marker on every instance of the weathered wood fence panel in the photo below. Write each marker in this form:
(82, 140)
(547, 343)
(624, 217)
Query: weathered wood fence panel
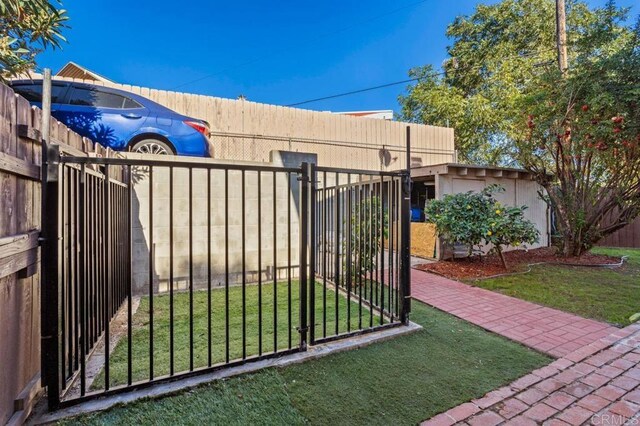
(19, 280)
(20, 214)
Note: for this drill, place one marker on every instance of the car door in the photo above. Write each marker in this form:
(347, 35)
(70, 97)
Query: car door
(104, 116)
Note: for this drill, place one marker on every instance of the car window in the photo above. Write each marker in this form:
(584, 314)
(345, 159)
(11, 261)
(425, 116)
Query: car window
(95, 98)
(130, 103)
(33, 92)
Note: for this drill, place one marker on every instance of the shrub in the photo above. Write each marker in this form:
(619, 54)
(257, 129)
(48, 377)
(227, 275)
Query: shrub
(474, 218)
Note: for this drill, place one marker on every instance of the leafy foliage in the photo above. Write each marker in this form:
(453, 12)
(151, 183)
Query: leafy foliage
(496, 56)
(27, 28)
(509, 227)
(580, 134)
(473, 218)
(369, 229)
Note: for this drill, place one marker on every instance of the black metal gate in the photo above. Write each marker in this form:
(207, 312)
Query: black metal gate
(155, 269)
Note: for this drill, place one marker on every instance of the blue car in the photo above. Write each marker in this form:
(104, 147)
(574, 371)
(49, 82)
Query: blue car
(120, 120)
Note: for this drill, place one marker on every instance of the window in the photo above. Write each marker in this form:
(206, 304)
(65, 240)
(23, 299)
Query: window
(96, 98)
(33, 92)
(130, 103)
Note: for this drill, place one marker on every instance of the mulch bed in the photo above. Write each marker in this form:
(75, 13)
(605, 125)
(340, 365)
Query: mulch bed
(486, 266)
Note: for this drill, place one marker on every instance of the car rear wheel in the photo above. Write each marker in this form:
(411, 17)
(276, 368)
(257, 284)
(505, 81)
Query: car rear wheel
(152, 146)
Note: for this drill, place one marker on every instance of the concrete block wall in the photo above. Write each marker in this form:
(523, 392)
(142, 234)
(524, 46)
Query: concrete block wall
(286, 193)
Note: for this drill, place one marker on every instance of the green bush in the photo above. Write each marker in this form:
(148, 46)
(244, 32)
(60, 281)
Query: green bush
(475, 218)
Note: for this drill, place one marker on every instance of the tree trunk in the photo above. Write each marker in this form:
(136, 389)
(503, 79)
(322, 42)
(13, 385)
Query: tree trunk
(501, 255)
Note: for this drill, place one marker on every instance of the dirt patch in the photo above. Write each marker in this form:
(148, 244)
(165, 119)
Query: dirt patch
(517, 260)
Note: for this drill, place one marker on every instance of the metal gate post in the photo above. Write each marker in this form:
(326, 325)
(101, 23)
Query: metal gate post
(405, 230)
(313, 176)
(50, 293)
(304, 252)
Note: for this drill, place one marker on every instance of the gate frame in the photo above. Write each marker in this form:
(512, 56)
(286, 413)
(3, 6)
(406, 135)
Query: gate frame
(52, 369)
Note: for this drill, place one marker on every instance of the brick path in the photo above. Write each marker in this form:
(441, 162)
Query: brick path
(597, 384)
(545, 329)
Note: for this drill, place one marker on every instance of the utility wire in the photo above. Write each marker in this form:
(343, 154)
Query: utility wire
(353, 92)
(410, 80)
(277, 52)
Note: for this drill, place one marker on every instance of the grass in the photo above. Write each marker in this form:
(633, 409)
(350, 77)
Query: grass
(272, 337)
(610, 295)
(400, 381)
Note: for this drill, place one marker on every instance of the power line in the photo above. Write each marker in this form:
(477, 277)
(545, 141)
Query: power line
(277, 52)
(353, 92)
(395, 83)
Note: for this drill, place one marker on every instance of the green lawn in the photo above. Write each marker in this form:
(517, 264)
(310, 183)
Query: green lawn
(400, 381)
(610, 295)
(161, 329)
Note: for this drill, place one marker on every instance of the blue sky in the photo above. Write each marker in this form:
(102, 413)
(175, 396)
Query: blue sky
(277, 52)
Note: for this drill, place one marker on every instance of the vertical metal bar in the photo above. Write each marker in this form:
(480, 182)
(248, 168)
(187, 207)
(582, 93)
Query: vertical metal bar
(259, 263)
(381, 248)
(82, 254)
(360, 254)
(226, 263)
(209, 313)
(405, 257)
(129, 261)
(391, 192)
(325, 235)
(107, 276)
(50, 296)
(370, 250)
(349, 255)
(374, 243)
(65, 268)
(336, 249)
(398, 183)
(94, 262)
(191, 268)
(76, 280)
(244, 270)
(275, 268)
(289, 195)
(304, 217)
(150, 272)
(171, 279)
(312, 252)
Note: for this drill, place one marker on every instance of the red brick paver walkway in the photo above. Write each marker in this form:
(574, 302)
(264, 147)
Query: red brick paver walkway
(597, 384)
(545, 329)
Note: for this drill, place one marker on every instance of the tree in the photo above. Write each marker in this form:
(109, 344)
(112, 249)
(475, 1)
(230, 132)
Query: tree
(580, 134)
(497, 53)
(27, 28)
(472, 218)
(509, 227)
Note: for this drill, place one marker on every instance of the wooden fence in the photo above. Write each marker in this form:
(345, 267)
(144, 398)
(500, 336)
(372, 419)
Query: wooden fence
(628, 236)
(20, 212)
(249, 131)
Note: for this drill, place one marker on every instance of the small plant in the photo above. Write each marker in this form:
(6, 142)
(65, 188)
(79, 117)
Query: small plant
(474, 218)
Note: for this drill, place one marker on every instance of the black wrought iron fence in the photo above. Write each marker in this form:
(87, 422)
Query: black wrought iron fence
(177, 267)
